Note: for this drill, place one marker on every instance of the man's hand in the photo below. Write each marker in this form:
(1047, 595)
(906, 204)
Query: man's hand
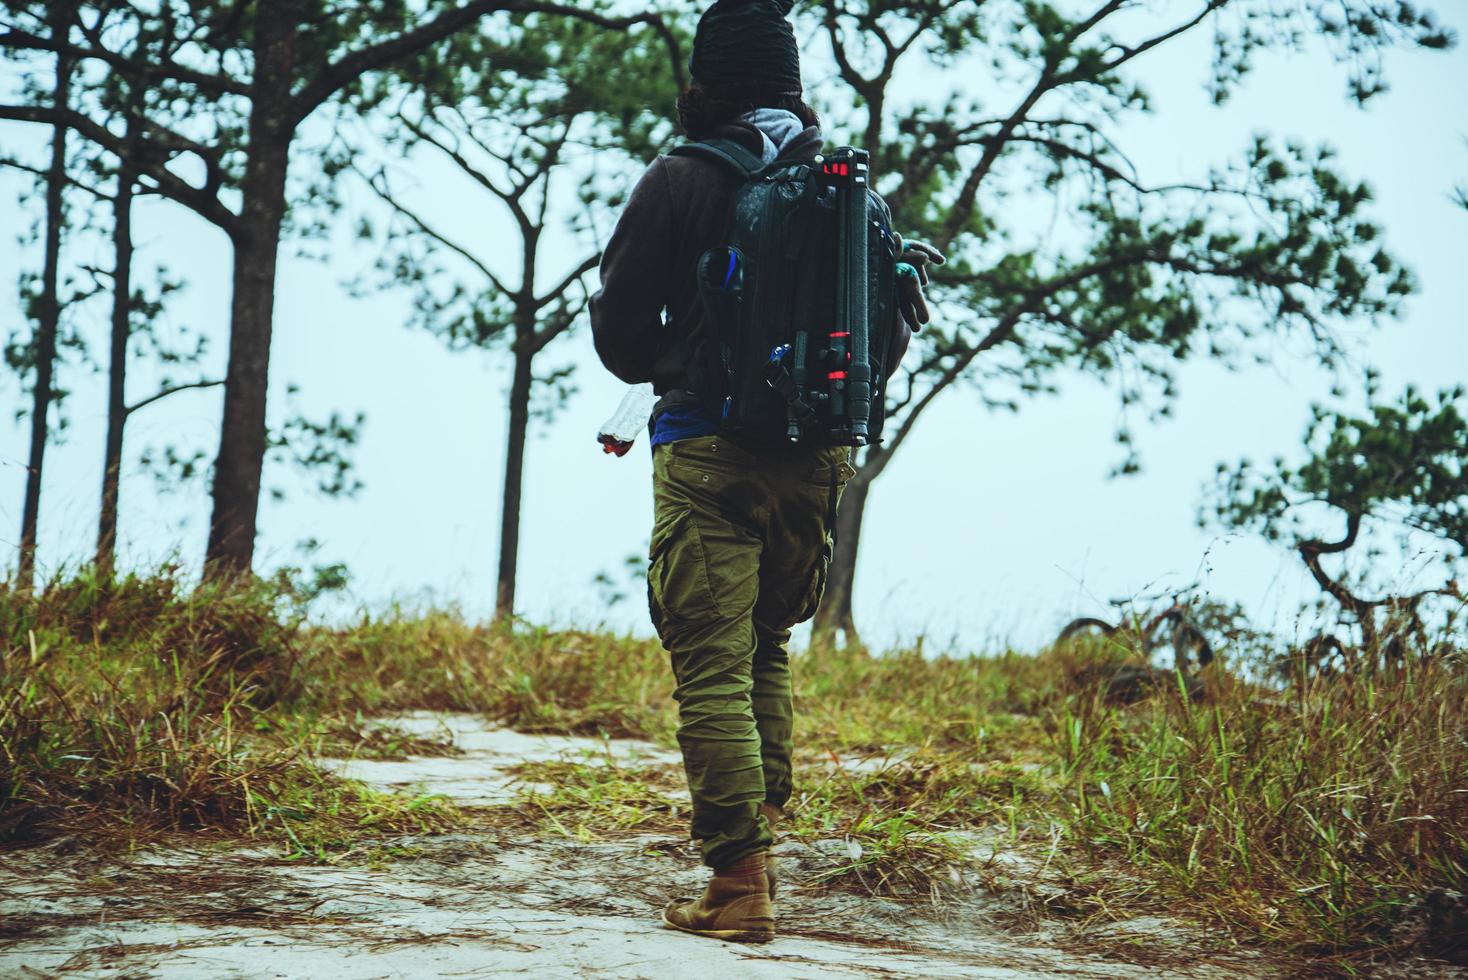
(913, 259)
(919, 255)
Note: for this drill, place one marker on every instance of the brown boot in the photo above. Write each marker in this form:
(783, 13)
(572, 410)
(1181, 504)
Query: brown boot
(735, 906)
(773, 815)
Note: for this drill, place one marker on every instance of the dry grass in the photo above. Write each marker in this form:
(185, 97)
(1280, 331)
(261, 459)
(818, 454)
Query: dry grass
(1311, 817)
(1316, 816)
(132, 707)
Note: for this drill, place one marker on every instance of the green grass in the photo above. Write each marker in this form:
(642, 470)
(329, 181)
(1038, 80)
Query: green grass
(1308, 817)
(590, 799)
(128, 708)
(1315, 817)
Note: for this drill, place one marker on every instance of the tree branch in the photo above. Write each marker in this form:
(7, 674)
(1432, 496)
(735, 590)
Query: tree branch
(963, 205)
(470, 132)
(511, 197)
(165, 392)
(168, 183)
(217, 84)
(352, 66)
(1051, 78)
(13, 164)
(586, 265)
(385, 192)
(1310, 552)
(557, 324)
(1000, 333)
(848, 71)
(651, 19)
(1127, 54)
(549, 156)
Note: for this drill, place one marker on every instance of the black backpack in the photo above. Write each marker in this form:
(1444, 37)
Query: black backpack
(799, 304)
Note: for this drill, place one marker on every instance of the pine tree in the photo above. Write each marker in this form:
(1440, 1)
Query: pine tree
(1402, 465)
(242, 79)
(524, 115)
(1141, 275)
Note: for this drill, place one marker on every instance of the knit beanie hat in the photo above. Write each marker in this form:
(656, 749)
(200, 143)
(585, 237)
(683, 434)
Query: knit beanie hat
(746, 45)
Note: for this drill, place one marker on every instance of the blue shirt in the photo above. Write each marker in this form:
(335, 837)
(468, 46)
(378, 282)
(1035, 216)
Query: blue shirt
(682, 422)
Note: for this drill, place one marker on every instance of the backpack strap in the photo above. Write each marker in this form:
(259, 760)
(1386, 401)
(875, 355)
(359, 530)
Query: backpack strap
(726, 153)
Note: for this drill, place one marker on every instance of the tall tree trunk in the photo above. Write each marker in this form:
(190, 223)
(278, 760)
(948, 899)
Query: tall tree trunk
(520, 384)
(49, 319)
(122, 250)
(835, 610)
(241, 458)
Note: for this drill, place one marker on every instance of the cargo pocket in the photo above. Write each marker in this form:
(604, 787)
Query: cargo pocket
(831, 463)
(678, 590)
(815, 588)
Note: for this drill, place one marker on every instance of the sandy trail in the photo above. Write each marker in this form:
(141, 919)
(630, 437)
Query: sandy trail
(468, 905)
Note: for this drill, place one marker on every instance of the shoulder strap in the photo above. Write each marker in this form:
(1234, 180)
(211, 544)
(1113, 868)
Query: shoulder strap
(727, 153)
(802, 155)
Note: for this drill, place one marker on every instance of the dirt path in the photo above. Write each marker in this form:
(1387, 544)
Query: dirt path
(467, 905)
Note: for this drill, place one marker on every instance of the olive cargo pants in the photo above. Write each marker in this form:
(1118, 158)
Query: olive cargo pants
(739, 554)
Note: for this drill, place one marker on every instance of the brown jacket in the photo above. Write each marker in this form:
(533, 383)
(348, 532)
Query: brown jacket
(678, 210)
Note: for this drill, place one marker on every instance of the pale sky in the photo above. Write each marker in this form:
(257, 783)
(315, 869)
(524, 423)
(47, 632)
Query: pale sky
(987, 528)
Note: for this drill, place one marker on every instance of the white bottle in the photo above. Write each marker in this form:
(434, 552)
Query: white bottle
(617, 433)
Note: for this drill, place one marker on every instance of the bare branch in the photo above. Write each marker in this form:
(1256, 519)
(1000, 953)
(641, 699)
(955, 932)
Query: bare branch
(1128, 53)
(557, 324)
(383, 191)
(507, 160)
(1000, 333)
(550, 154)
(171, 390)
(511, 197)
(13, 164)
(572, 277)
(1032, 301)
(169, 184)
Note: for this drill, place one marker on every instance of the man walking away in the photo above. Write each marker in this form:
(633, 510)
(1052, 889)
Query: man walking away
(741, 535)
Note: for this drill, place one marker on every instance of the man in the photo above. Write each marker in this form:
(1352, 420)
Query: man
(741, 534)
